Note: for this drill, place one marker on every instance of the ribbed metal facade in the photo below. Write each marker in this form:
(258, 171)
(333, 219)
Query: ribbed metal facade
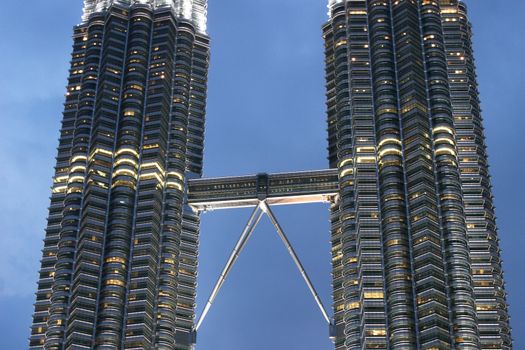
(120, 251)
(416, 262)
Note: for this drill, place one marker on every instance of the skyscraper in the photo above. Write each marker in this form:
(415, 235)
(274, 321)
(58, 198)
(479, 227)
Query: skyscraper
(416, 262)
(120, 250)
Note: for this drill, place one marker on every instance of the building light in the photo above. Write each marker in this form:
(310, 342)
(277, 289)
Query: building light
(389, 140)
(340, 43)
(389, 151)
(346, 172)
(59, 189)
(176, 174)
(114, 282)
(76, 179)
(78, 158)
(81, 168)
(374, 295)
(445, 150)
(346, 161)
(353, 306)
(150, 176)
(126, 161)
(152, 165)
(446, 129)
(366, 149)
(60, 179)
(126, 172)
(366, 159)
(127, 150)
(444, 140)
(103, 151)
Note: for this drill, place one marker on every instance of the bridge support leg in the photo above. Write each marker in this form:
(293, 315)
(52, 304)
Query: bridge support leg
(241, 243)
(255, 217)
(295, 258)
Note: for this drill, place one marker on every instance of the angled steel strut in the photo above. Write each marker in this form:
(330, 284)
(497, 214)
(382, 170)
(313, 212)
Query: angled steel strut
(241, 243)
(261, 208)
(267, 210)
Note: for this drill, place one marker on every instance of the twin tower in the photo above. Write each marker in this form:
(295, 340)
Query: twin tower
(415, 256)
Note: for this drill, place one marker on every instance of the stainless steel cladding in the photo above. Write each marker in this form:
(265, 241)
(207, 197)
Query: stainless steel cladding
(120, 257)
(415, 250)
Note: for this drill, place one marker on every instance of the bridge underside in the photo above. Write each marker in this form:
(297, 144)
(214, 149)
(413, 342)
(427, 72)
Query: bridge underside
(319, 186)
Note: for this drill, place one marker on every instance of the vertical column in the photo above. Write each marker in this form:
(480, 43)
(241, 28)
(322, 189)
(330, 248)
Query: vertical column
(59, 191)
(175, 163)
(187, 269)
(197, 105)
(346, 291)
(67, 244)
(336, 240)
(457, 264)
(428, 276)
(489, 292)
(165, 300)
(95, 206)
(357, 238)
(141, 315)
(115, 265)
(369, 238)
(395, 226)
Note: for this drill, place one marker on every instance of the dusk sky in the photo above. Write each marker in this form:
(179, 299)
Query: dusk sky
(266, 113)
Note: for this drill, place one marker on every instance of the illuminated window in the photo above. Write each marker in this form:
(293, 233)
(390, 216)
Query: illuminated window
(115, 283)
(374, 295)
(353, 306)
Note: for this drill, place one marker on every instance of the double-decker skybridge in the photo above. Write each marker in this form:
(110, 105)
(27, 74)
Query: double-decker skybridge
(275, 189)
(263, 191)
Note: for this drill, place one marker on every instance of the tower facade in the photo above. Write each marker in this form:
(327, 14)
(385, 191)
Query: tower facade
(416, 262)
(415, 253)
(120, 251)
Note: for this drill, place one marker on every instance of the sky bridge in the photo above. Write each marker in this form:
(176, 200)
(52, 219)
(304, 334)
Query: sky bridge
(262, 191)
(276, 189)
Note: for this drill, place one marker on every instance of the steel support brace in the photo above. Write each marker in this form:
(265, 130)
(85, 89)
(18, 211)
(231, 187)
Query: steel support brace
(241, 243)
(254, 220)
(295, 258)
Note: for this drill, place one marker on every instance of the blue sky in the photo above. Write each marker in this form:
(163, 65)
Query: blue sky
(265, 113)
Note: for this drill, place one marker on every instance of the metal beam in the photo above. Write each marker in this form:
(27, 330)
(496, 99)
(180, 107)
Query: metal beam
(241, 243)
(266, 208)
